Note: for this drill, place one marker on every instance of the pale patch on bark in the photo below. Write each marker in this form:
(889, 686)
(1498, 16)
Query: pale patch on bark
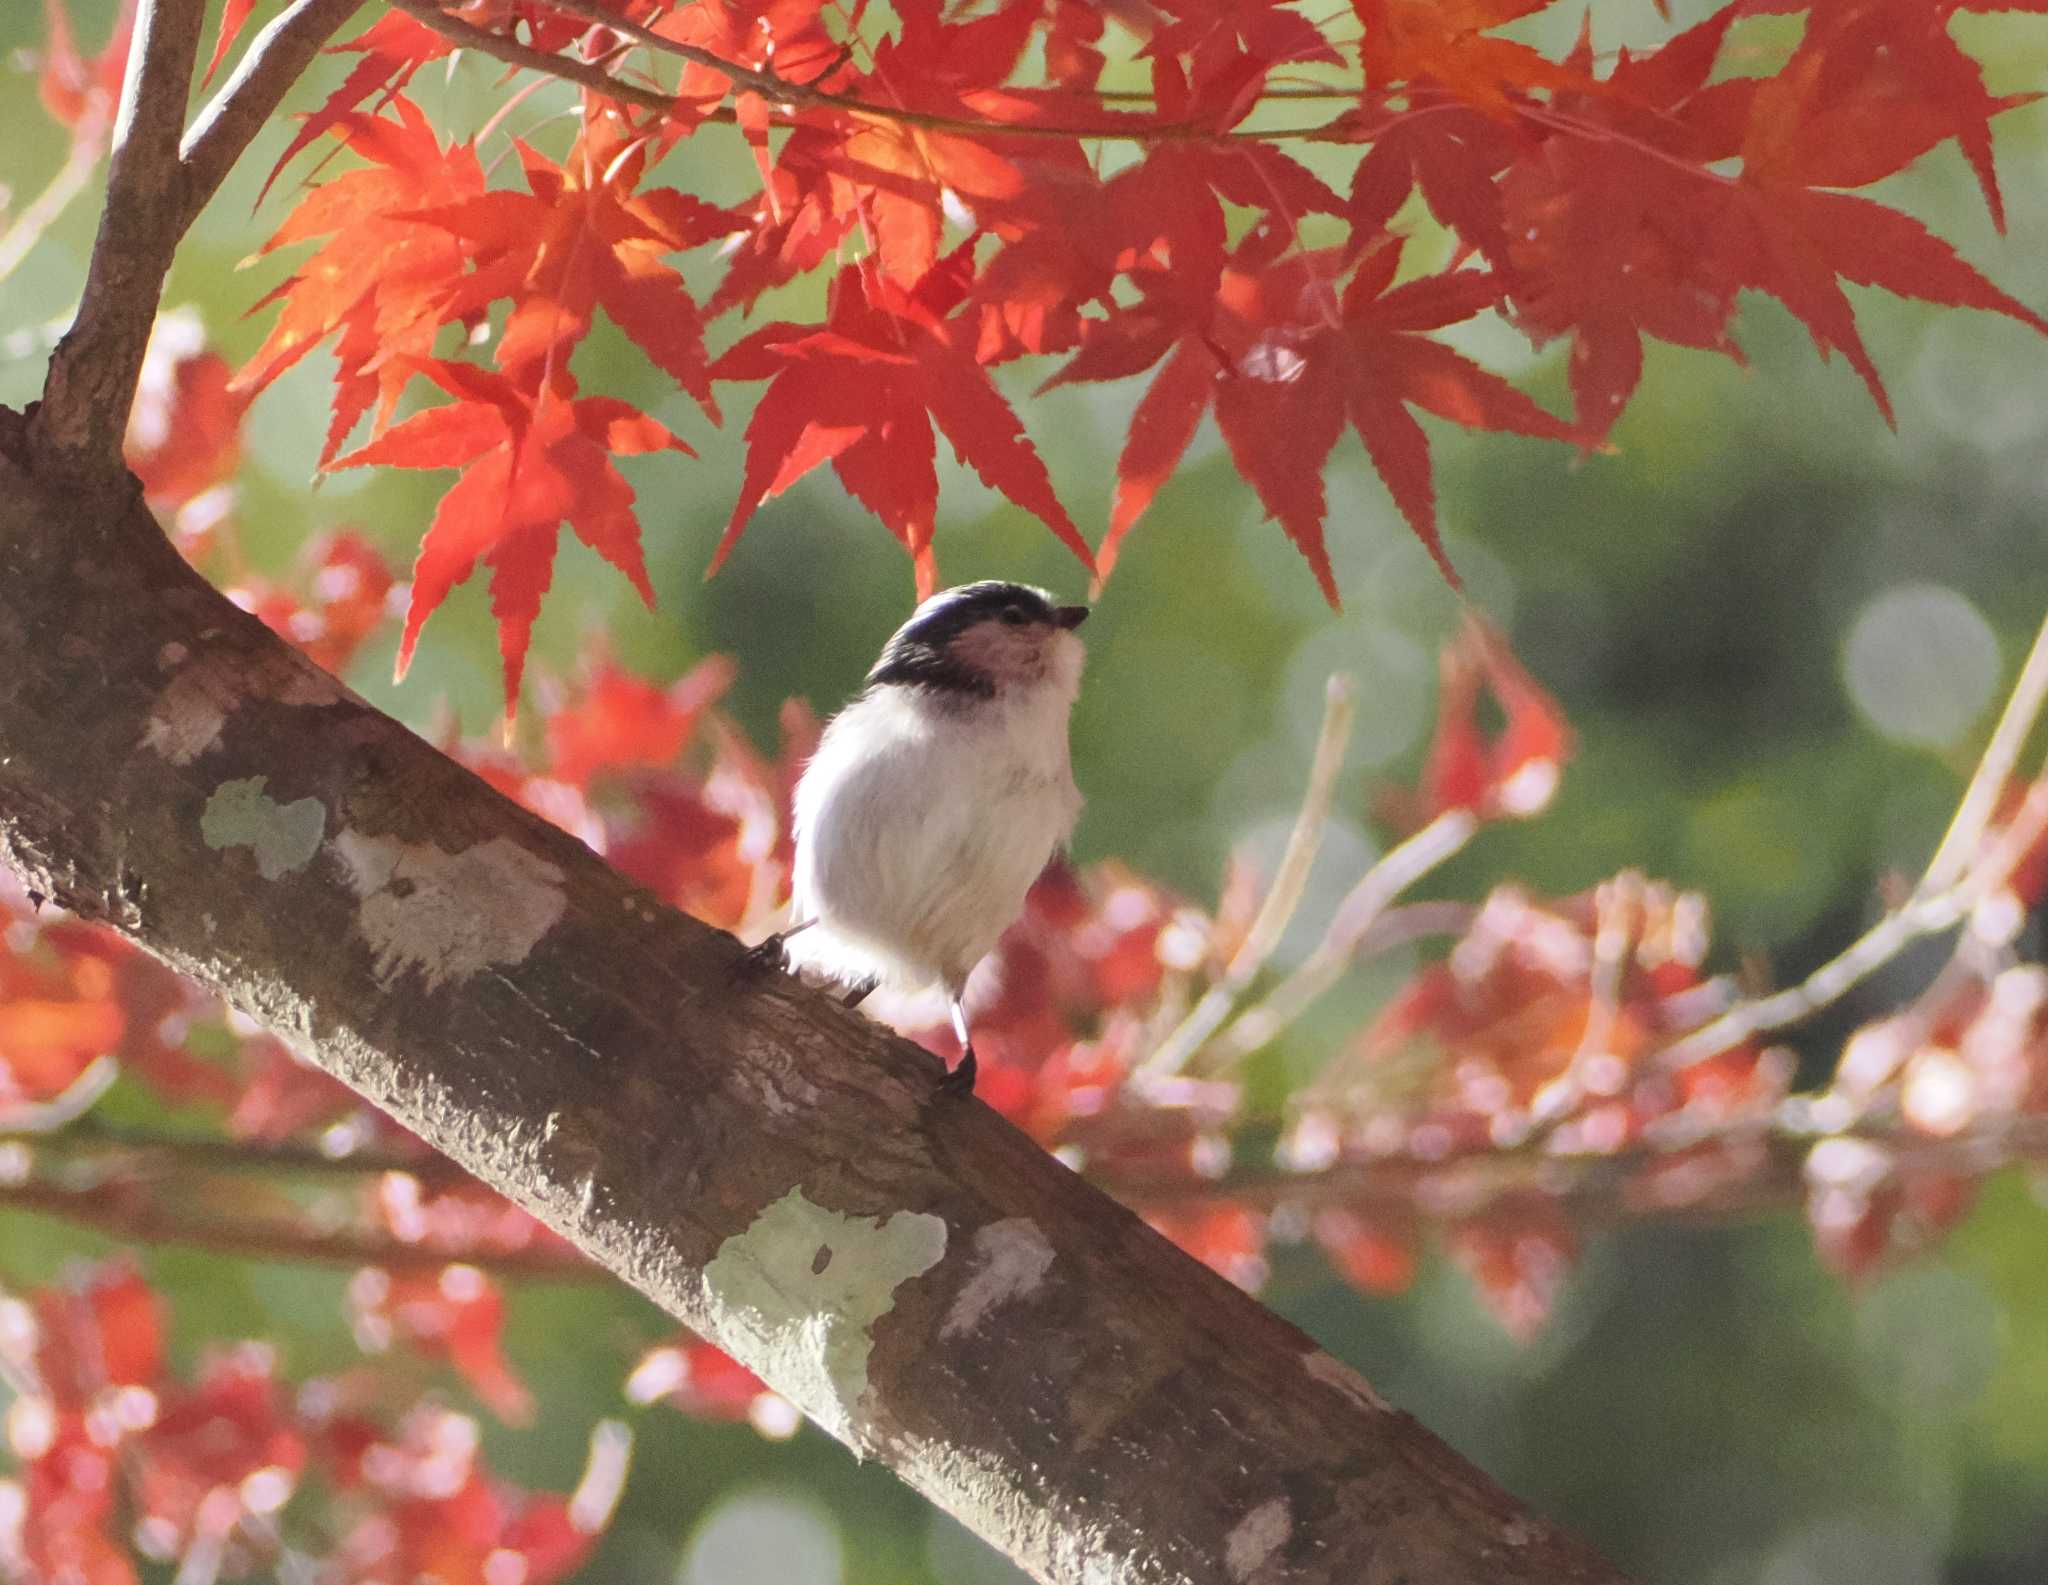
(1012, 1257)
(284, 837)
(194, 707)
(1333, 1372)
(1256, 1537)
(448, 915)
(804, 1285)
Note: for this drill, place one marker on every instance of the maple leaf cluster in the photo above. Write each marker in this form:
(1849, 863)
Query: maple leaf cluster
(1540, 1036)
(1272, 220)
(118, 1457)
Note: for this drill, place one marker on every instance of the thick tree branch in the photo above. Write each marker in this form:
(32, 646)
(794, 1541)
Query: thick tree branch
(92, 375)
(270, 65)
(774, 1171)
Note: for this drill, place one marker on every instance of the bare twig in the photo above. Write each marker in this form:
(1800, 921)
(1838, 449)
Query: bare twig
(1617, 913)
(1768, 1174)
(535, 60)
(1920, 916)
(89, 1141)
(784, 96)
(1351, 931)
(128, 1212)
(274, 60)
(88, 143)
(513, 53)
(1340, 696)
(91, 381)
(1994, 768)
(767, 84)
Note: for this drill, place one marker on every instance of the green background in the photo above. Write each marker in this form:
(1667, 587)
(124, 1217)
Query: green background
(1779, 630)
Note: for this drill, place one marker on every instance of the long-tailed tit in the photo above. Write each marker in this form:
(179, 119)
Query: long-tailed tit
(936, 797)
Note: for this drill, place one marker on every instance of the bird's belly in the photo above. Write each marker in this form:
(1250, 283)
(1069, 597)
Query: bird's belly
(919, 866)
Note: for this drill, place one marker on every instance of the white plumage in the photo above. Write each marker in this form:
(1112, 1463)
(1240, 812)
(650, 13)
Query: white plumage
(938, 795)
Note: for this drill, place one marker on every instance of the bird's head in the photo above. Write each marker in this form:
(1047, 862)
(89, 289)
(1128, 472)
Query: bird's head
(981, 640)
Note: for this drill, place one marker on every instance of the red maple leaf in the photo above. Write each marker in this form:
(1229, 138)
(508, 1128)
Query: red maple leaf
(234, 14)
(1445, 42)
(863, 392)
(1287, 358)
(380, 281)
(531, 459)
(392, 49)
(581, 239)
(617, 720)
(1621, 227)
(1516, 772)
(77, 92)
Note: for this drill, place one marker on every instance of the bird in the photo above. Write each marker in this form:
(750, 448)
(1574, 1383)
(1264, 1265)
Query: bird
(935, 799)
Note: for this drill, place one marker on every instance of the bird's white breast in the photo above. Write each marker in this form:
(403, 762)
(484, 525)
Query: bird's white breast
(921, 824)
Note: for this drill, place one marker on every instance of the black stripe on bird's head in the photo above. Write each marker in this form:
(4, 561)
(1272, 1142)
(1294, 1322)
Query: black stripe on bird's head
(974, 638)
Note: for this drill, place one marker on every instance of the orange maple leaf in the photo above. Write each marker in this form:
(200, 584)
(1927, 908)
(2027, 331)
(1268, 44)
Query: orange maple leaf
(380, 281)
(532, 459)
(580, 239)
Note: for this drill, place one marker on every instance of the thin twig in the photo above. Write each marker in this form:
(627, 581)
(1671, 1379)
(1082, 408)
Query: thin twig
(121, 1212)
(1617, 913)
(765, 83)
(1994, 768)
(513, 53)
(1920, 916)
(90, 384)
(88, 143)
(275, 59)
(148, 1151)
(1351, 931)
(1606, 1185)
(1340, 703)
(785, 96)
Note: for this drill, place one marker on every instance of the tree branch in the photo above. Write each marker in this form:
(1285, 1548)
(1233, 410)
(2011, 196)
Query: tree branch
(784, 96)
(127, 1212)
(513, 53)
(274, 60)
(771, 1169)
(92, 375)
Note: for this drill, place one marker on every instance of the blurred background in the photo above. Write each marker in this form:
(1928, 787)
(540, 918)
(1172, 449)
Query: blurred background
(1781, 632)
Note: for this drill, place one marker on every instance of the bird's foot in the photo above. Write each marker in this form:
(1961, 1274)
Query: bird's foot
(856, 994)
(770, 955)
(961, 1080)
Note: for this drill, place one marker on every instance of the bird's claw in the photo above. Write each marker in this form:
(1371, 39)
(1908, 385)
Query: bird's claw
(961, 1080)
(767, 956)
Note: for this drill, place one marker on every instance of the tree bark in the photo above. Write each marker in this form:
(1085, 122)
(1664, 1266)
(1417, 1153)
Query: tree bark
(918, 1276)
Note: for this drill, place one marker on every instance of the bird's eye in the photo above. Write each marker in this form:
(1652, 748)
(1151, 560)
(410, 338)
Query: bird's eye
(1015, 617)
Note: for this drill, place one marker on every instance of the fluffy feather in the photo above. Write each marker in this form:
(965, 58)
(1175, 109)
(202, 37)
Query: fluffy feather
(929, 809)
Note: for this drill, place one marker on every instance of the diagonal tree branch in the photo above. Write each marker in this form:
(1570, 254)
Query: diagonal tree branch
(274, 60)
(917, 1275)
(92, 375)
(468, 35)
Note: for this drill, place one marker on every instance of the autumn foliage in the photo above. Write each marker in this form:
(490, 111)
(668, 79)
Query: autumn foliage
(1268, 218)
(1271, 223)
(1532, 1074)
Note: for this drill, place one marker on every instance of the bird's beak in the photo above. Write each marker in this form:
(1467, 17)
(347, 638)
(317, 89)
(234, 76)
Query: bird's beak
(1070, 616)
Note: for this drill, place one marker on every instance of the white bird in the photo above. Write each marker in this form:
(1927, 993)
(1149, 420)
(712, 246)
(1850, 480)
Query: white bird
(936, 797)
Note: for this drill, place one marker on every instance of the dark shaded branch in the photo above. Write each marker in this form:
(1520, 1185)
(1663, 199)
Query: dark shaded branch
(513, 53)
(146, 1216)
(91, 381)
(775, 1172)
(274, 60)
